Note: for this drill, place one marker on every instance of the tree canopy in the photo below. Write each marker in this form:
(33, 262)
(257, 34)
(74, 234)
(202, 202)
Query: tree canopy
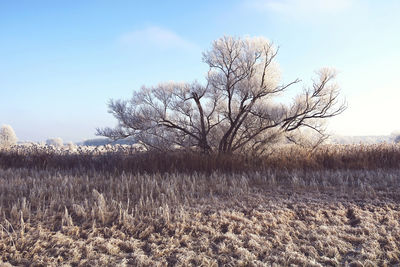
(234, 111)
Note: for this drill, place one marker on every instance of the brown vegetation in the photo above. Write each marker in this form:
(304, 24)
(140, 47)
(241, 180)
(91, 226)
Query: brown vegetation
(118, 159)
(331, 208)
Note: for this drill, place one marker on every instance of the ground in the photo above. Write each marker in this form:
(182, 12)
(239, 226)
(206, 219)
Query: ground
(332, 218)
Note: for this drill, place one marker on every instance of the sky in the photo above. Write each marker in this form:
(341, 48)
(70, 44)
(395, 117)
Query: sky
(61, 61)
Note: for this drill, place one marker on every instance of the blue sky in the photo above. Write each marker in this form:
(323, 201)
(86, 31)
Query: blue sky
(60, 61)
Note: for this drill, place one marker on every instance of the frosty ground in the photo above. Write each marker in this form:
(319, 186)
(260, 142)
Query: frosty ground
(301, 217)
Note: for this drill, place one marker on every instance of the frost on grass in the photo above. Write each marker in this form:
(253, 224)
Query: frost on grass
(321, 218)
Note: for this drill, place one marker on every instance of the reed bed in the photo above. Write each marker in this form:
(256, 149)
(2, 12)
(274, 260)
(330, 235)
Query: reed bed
(126, 159)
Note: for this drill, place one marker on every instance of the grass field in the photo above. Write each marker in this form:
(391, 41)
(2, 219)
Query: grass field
(337, 206)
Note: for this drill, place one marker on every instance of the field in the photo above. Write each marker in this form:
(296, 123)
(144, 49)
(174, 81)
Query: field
(336, 206)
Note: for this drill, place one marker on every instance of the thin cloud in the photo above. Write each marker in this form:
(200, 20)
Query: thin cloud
(156, 37)
(300, 8)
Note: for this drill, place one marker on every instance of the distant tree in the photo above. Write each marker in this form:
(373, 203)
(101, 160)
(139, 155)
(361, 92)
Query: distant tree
(56, 142)
(234, 111)
(395, 136)
(71, 146)
(7, 137)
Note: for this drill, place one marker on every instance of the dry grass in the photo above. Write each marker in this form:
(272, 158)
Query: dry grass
(81, 216)
(120, 159)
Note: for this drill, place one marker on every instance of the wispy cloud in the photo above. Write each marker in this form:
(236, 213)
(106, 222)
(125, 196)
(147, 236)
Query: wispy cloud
(301, 8)
(156, 37)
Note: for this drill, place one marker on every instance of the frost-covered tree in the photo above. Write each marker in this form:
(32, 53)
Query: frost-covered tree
(71, 146)
(7, 137)
(234, 111)
(395, 137)
(56, 142)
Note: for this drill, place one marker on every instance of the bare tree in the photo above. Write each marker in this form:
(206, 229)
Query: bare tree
(7, 137)
(234, 111)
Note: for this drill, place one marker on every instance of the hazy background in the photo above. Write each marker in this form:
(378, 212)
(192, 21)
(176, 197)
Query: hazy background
(60, 61)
